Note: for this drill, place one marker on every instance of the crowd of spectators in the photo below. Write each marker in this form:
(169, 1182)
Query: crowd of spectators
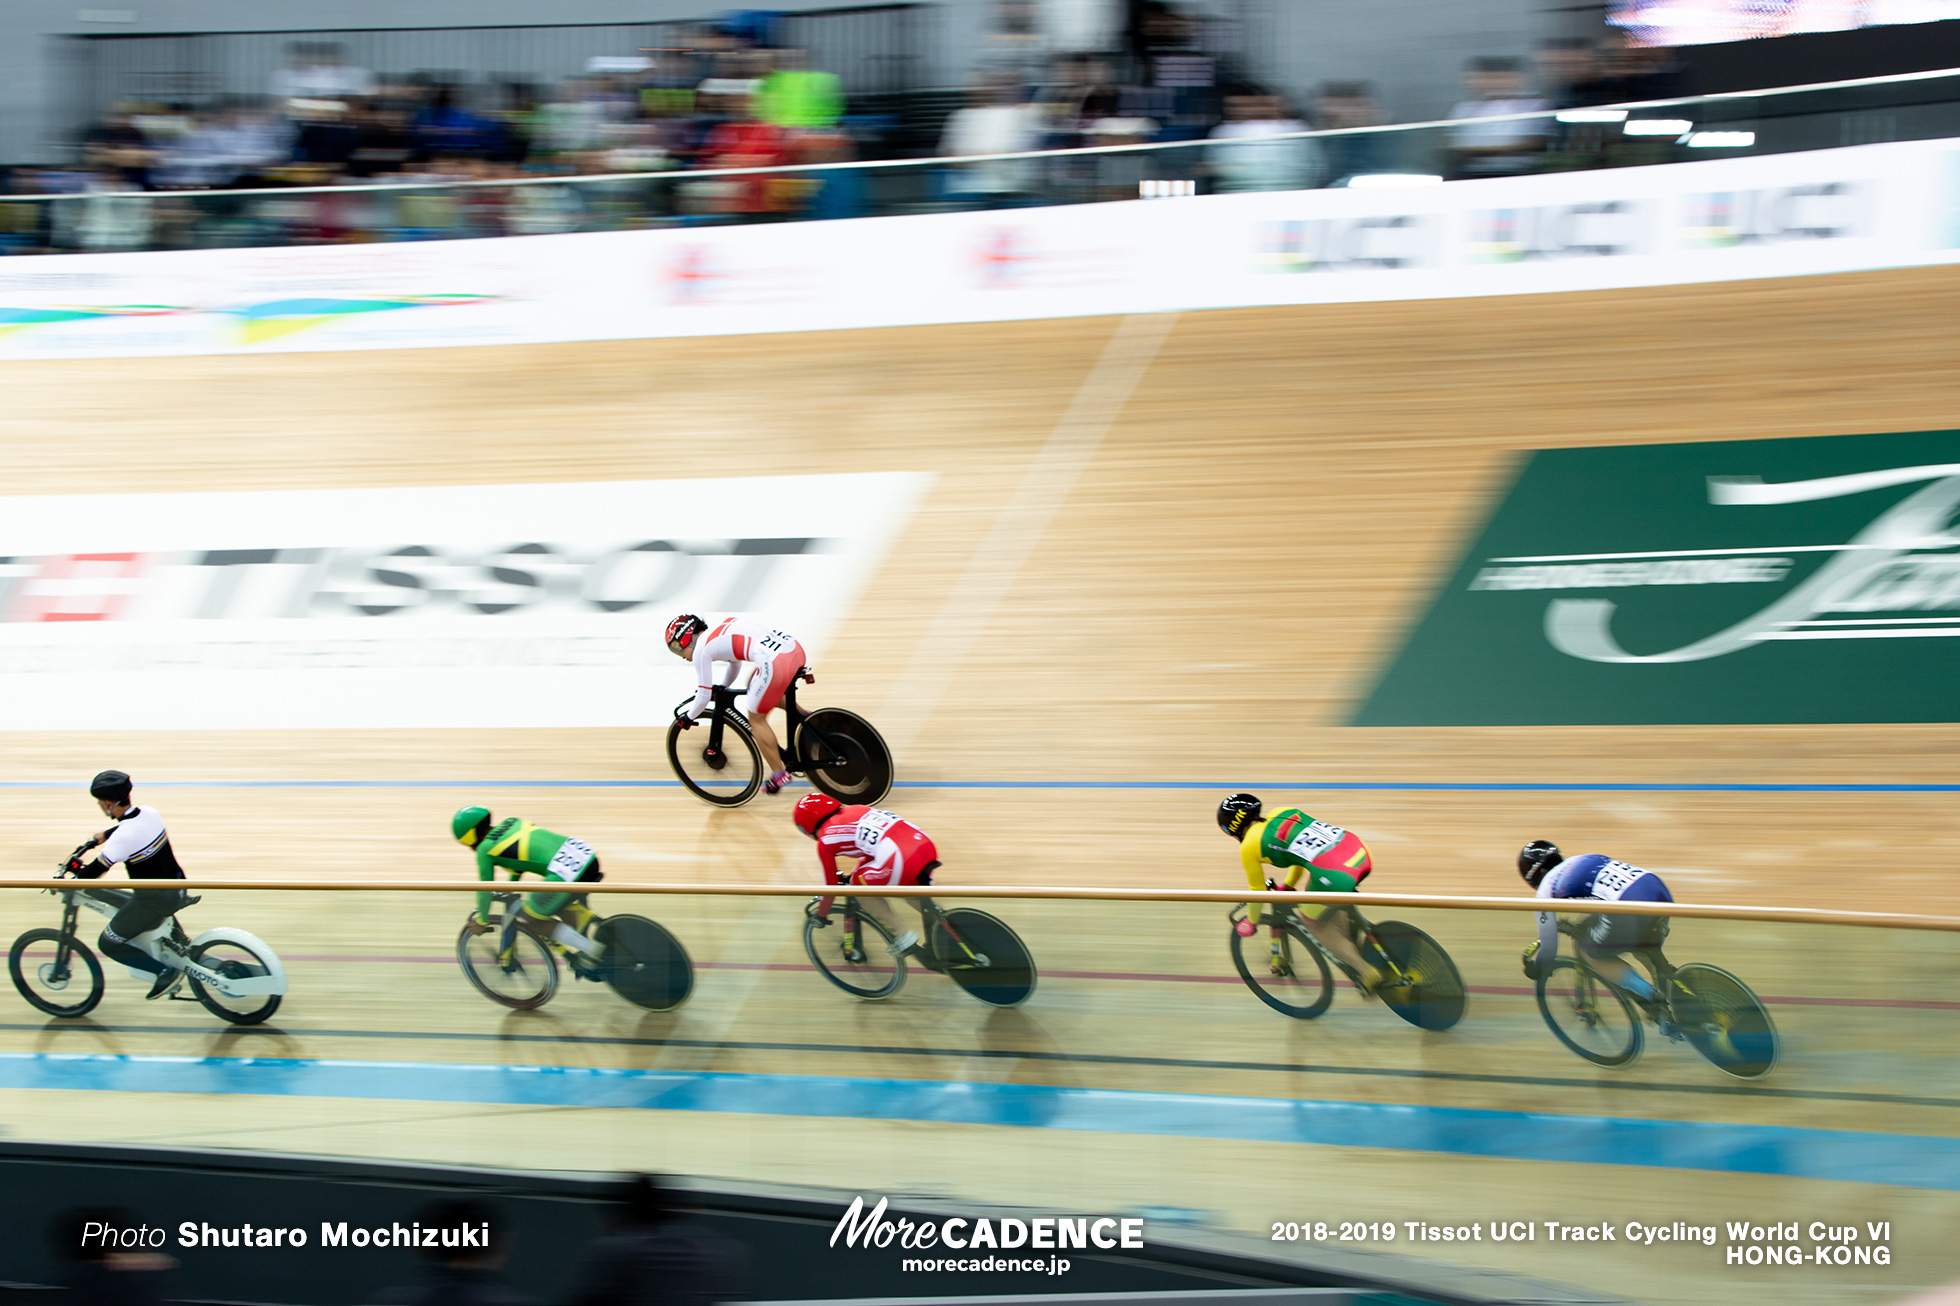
(727, 100)
(1569, 74)
(730, 97)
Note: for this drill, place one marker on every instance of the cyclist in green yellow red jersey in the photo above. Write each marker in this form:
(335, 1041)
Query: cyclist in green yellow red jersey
(1330, 859)
(525, 849)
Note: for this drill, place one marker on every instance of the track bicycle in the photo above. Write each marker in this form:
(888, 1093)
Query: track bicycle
(1294, 974)
(974, 949)
(1601, 1019)
(230, 971)
(513, 961)
(840, 752)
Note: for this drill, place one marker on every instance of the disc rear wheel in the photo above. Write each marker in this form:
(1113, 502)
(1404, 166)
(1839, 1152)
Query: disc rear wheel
(643, 962)
(1429, 992)
(845, 756)
(1726, 1022)
(982, 955)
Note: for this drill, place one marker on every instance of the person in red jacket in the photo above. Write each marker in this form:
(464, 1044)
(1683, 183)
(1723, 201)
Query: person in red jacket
(886, 849)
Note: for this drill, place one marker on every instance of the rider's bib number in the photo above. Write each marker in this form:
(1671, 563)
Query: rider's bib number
(571, 858)
(871, 827)
(774, 643)
(1613, 879)
(1316, 839)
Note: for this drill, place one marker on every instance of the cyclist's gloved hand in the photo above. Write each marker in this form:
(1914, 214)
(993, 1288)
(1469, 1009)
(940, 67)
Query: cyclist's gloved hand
(1532, 970)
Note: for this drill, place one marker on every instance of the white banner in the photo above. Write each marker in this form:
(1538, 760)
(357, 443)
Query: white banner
(504, 605)
(1873, 206)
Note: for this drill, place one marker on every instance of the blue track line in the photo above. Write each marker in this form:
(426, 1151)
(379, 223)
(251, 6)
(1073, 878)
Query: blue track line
(1902, 1160)
(1346, 786)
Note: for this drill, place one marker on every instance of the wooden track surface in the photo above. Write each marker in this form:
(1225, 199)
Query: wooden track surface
(1274, 503)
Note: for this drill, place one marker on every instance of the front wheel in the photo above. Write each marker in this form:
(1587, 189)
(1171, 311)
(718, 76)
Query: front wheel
(1725, 1021)
(235, 961)
(644, 963)
(523, 981)
(1588, 1015)
(56, 973)
(1291, 975)
(1428, 993)
(983, 956)
(878, 975)
(845, 756)
(716, 760)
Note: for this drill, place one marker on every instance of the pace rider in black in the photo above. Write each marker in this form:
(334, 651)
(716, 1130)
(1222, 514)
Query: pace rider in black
(139, 841)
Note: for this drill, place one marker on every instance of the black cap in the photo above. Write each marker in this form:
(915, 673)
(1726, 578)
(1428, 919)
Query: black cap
(113, 786)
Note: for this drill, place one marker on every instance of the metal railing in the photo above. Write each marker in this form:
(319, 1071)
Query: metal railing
(1067, 893)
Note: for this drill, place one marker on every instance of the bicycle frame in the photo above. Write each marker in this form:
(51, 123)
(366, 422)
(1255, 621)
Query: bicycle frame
(722, 708)
(1359, 932)
(932, 915)
(1660, 973)
(516, 918)
(150, 942)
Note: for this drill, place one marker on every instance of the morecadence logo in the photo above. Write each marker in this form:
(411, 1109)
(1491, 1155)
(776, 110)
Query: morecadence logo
(984, 1244)
(1798, 580)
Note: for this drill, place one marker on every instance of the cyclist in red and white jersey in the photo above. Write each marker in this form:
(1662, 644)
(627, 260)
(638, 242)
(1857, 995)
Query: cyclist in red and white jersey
(886, 849)
(776, 657)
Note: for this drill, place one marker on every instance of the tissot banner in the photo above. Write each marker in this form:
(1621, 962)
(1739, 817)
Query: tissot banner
(492, 606)
(1801, 580)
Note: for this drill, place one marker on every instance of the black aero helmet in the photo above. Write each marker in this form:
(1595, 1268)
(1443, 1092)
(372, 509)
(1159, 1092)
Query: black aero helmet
(110, 786)
(1239, 811)
(1536, 858)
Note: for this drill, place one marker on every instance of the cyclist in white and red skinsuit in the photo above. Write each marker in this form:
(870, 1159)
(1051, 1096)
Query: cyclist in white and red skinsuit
(776, 657)
(888, 849)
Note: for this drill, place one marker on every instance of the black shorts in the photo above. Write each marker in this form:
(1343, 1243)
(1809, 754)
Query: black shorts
(139, 912)
(1602, 933)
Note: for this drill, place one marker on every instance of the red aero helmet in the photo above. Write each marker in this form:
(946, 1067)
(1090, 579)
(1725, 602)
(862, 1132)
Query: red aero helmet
(681, 632)
(812, 810)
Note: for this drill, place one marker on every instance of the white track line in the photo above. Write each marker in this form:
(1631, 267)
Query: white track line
(994, 566)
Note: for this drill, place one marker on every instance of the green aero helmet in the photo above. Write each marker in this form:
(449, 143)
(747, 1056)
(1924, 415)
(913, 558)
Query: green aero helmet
(469, 825)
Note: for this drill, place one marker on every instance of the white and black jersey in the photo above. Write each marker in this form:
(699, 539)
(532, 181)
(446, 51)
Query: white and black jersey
(141, 844)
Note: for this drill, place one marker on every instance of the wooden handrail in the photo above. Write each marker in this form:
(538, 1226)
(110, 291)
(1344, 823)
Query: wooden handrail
(1678, 910)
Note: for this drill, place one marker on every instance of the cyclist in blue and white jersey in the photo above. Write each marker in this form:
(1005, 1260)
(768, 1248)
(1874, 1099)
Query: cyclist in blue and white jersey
(1593, 877)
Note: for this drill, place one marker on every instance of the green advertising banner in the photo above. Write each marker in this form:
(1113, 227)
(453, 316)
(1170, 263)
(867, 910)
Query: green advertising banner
(1804, 580)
